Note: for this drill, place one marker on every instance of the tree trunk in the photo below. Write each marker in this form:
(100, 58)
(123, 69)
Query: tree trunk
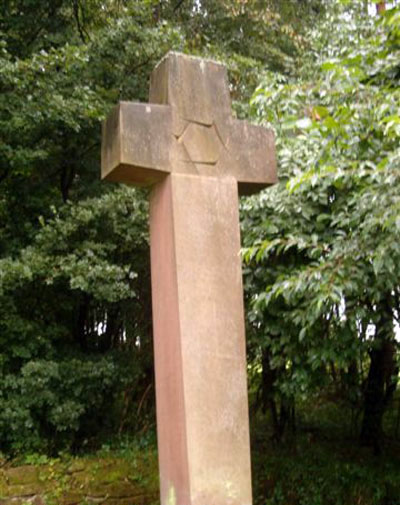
(108, 338)
(371, 430)
(80, 332)
(267, 397)
(283, 411)
(375, 399)
(380, 7)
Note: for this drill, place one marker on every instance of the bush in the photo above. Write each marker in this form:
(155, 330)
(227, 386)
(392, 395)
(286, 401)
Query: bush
(53, 405)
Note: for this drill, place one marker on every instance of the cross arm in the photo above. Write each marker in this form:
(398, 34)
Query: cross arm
(250, 155)
(136, 143)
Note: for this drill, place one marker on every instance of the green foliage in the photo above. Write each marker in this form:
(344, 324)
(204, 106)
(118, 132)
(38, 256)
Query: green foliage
(322, 464)
(319, 467)
(54, 376)
(321, 247)
(83, 479)
(318, 478)
(75, 309)
(60, 397)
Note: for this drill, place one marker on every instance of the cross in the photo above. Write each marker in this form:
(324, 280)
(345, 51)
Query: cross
(195, 155)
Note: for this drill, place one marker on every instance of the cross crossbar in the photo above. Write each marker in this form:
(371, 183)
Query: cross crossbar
(187, 129)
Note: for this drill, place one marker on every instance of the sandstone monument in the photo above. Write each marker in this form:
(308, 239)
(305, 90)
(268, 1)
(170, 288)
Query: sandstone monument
(196, 156)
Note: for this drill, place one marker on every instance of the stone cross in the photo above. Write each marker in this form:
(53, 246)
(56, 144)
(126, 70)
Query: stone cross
(195, 155)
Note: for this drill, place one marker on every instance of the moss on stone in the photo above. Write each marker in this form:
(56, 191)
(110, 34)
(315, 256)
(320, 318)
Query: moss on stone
(80, 481)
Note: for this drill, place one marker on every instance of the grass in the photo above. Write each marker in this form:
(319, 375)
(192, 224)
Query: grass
(321, 464)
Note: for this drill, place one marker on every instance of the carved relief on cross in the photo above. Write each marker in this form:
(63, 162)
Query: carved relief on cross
(187, 128)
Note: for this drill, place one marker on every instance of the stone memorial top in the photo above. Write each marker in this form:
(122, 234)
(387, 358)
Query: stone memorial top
(187, 128)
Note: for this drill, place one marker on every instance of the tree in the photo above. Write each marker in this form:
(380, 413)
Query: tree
(75, 311)
(322, 247)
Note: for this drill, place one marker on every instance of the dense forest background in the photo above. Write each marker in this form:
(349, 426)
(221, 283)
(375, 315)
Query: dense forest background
(321, 249)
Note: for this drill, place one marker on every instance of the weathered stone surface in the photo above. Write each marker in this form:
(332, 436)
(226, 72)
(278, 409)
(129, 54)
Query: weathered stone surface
(137, 135)
(105, 481)
(195, 155)
(22, 475)
(199, 342)
(72, 497)
(24, 500)
(197, 89)
(201, 143)
(190, 131)
(251, 156)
